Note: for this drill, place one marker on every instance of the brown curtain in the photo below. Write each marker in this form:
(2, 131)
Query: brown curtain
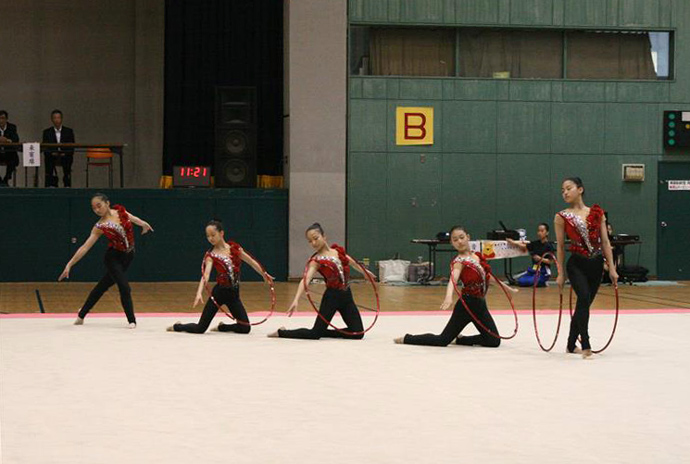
(594, 55)
(412, 52)
(524, 54)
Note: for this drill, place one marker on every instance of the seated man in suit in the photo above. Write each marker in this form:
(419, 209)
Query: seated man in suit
(8, 156)
(537, 249)
(61, 156)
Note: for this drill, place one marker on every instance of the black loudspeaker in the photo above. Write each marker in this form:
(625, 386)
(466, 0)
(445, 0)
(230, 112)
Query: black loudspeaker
(235, 148)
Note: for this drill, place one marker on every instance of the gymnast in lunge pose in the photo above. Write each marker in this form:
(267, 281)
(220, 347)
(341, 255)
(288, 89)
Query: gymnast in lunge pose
(474, 273)
(226, 258)
(333, 263)
(586, 229)
(117, 224)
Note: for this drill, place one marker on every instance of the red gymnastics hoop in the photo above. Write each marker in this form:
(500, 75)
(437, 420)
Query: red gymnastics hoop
(615, 320)
(318, 313)
(228, 313)
(534, 305)
(475, 318)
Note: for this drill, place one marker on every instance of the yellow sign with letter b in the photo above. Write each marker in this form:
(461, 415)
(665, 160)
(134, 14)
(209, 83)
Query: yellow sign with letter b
(414, 126)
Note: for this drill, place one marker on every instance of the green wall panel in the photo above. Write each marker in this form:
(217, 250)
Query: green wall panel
(255, 218)
(367, 125)
(577, 127)
(558, 12)
(393, 88)
(469, 191)
(665, 13)
(467, 89)
(469, 127)
(643, 92)
(632, 128)
(366, 205)
(355, 88)
(477, 11)
(413, 200)
(502, 143)
(34, 238)
(504, 11)
(584, 91)
(394, 9)
(424, 11)
(368, 10)
(171, 247)
(524, 127)
(585, 12)
(612, 13)
(644, 13)
(421, 89)
(532, 12)
(620, 197)
(680, 91)
(522, 180)
(530, 91)
(374, 88)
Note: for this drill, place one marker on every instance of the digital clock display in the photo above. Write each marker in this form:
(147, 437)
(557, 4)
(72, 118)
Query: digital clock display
(191, 176)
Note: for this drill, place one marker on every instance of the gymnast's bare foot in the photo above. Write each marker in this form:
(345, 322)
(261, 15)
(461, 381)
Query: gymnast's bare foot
(79, 321)
(576, 350)
(399, 340)
(172, 327)
(275, 334)
(587, 354)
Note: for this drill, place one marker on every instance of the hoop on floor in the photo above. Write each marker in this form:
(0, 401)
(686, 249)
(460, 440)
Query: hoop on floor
(475, 318)
(615, 319)
(377, 310)
(534, 305)
(221, 308)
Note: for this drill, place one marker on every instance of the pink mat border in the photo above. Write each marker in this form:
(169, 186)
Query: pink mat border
(365, 314)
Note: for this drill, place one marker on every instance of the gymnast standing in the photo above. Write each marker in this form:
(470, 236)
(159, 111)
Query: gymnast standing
(586, 229)
(116, 224)
(226, 258)
(474, 272)
(333, 263)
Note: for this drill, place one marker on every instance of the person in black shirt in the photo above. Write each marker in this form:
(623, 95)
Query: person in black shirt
(9, 157)
(64, 157)
(536, 248)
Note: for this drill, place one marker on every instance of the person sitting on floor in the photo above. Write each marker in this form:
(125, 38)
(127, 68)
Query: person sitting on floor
(536, 248)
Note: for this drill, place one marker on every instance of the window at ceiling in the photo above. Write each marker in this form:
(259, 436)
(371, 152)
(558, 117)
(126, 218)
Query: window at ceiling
(511, 53)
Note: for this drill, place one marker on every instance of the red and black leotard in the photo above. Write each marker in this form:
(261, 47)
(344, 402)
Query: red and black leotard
(120, 236)
(336, 271)
(117, 260)
(475, 283)
(585, 267)
(225, 293)
(336, 298)
(474, 275)
(585, 237)
(227, 267)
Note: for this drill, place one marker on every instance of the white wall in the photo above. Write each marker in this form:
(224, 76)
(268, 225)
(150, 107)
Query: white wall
(316, 77)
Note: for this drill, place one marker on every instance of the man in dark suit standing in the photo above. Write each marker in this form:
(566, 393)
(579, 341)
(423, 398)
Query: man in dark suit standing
(8, 134)
(63, 156)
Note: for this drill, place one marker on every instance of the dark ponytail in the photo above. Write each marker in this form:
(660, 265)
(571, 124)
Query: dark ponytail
(578, 183)
(316, 226)
(454, 228)
(102, 196)
(215, 223)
